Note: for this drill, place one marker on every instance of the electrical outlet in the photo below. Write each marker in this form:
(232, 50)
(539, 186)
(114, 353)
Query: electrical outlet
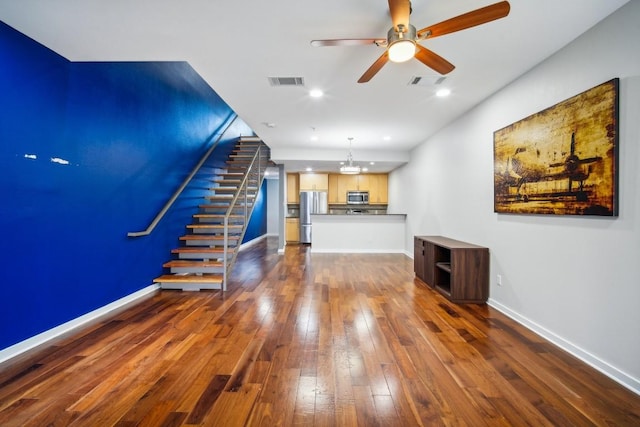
(499, 280)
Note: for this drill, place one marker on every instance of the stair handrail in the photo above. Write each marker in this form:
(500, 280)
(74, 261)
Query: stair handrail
(242, 189)
(184, 184)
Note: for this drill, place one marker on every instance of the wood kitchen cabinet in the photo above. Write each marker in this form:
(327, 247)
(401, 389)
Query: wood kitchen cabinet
(292, 230)
(314, 182)
(345, 183)
(458, 270)
(378, 189)
(375, 184)
(332, 195)
(293, 188)
(362, 183)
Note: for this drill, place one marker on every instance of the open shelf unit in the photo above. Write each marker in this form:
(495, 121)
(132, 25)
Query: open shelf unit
(458, 270)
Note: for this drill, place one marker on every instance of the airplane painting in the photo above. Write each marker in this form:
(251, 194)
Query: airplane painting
(562, 160)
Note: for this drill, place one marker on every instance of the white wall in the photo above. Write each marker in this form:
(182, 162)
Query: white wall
(574, 280)
(273, 206)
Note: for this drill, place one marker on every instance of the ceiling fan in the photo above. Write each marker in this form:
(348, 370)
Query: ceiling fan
(402, 39)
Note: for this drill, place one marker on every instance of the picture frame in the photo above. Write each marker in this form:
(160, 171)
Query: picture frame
(562, 160)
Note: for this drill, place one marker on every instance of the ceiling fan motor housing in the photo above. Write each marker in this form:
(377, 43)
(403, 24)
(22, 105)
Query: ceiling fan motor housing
(403, 34)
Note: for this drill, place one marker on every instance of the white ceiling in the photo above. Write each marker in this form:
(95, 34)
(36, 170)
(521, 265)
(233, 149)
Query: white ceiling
(236, 45)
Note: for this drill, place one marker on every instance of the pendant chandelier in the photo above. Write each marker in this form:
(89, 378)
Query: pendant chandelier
(349, 168)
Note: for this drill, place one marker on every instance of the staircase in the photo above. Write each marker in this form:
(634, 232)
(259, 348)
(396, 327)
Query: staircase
(208, 251)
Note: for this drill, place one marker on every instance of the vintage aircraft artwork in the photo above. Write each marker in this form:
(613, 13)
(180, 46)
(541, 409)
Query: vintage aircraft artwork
(561, 160)
(519, 172)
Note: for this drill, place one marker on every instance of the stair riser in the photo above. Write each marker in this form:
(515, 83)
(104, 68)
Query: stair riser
(211, 243)
(195, 287)
(196, 270)
(233, 190)
(203, 256)
(222, 210)
(220, 232)
(239, 222)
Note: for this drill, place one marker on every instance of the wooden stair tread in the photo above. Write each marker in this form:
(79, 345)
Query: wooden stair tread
(191, 263)
(189, 278)
(197, 250)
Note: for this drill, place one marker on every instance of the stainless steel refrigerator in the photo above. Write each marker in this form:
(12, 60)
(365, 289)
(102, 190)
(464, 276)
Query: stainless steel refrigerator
(311, 202)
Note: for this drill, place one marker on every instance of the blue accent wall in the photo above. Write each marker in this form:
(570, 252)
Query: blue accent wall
(89, 152)
(258, 222)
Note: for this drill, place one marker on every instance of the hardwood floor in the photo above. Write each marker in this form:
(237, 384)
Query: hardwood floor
(309, 339)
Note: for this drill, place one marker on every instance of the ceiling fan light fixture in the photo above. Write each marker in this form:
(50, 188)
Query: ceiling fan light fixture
(402, 50)
(402, 43)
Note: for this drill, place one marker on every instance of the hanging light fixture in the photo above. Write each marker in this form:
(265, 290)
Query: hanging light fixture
(349, 168)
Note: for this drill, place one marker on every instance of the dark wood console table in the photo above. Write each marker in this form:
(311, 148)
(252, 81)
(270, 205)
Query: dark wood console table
(459, 270)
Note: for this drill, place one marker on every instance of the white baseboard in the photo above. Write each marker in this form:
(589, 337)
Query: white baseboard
(356, 251)
(72, 325)
(252, 242)
(612, 372)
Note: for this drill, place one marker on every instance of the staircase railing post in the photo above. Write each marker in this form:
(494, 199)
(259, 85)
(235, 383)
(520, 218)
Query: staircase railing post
(225, 249)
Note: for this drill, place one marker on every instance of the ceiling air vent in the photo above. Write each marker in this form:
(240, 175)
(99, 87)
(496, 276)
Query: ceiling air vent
(426, 80)
(286, 81)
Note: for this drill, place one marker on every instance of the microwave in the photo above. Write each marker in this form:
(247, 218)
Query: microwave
(357, 197)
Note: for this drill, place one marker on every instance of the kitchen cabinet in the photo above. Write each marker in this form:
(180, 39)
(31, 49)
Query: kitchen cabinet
(314, 182)
(362, 183)
(345, 183)
(293, 188)
(292, 230)
(354, 182)
(378, 189)
(458, 270)
(332, 195)
(375, 184)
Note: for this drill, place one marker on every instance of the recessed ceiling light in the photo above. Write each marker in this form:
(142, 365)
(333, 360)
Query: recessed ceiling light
(386, 138)
(316, 93)
(365, 169)
(443, 92)
(372, 163)
(309, 169)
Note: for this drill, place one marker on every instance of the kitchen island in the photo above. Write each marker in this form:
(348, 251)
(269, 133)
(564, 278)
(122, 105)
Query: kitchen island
(352, 233)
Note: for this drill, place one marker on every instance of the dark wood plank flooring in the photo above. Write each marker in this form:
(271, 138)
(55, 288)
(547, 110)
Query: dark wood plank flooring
(313, 340)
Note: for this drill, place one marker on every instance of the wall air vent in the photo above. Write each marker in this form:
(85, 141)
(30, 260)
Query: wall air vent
(426, 80)
(286, 81)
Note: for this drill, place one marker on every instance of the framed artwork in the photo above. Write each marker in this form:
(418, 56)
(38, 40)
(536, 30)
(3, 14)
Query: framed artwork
(562, 160)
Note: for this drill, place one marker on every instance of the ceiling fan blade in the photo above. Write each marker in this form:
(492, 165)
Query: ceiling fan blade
(400, 11)
(467, 20)
(433, 60)
(375, 67)
(348, 42)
